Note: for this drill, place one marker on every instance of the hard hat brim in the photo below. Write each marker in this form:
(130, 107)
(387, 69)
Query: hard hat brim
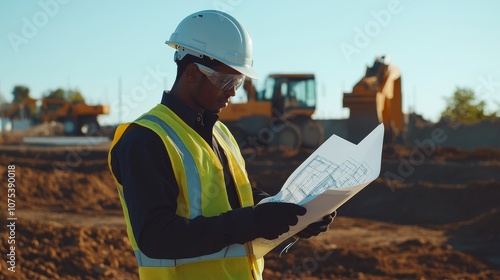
(247, 71)
(243, 69)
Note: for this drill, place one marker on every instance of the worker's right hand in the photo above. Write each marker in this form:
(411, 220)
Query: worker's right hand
(275, 218)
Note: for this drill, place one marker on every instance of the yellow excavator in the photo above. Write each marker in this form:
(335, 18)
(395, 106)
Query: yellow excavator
(277, 115)
(376, 98)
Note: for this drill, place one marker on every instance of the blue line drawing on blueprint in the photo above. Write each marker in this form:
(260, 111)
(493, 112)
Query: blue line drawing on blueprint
(322, 174)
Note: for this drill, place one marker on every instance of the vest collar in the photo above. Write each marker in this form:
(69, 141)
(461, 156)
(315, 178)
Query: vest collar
(188, 115)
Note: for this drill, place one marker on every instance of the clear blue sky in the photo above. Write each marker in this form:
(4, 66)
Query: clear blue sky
(88, 45)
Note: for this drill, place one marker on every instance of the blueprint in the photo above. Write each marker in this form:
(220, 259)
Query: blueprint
(329, 177)
(320, 175)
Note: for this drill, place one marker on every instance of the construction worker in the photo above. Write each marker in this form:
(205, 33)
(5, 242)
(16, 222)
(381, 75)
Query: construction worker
(189, 207)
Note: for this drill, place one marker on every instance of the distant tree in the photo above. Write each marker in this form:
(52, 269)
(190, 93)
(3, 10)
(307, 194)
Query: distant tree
(74, 96)
(23, 106)
(56, 94)
(464, 107)
(21, 93)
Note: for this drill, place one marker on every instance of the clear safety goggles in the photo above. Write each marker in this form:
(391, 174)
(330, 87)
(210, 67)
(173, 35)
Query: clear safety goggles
(222, 81)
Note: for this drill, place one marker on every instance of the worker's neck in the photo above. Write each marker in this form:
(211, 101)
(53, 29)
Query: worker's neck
(185, 98)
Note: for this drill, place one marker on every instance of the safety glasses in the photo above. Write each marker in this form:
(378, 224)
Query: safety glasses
(222, 81)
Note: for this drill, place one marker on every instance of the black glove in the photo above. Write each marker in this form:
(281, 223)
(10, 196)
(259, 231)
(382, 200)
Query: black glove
(316, 228)
(275, 218)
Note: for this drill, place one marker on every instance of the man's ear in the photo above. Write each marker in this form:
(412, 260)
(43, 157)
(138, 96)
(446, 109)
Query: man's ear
(192, 73)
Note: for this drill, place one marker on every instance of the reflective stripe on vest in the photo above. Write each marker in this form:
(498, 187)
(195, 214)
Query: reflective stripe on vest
(235, 250)
(192, 175)
(233, 148)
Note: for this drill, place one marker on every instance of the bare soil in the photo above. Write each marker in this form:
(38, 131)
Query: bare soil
(440, 221)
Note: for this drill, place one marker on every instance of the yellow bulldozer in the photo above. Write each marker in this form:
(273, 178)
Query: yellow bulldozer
(278, 115)
(77, 118)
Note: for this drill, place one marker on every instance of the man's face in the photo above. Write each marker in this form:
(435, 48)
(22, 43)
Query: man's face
(209, 97)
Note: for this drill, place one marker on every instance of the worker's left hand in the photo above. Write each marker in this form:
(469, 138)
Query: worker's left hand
(316, 228)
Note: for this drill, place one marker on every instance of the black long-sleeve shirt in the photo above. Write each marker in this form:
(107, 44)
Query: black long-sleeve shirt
(142, 166)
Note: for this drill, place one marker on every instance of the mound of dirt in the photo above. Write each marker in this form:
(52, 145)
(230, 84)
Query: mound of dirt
(394, 151)
(337, 256)
(62, 178)
(47, 250)
(424, 203)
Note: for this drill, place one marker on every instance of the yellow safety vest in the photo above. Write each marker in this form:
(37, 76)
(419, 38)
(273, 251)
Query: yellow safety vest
(202, 191)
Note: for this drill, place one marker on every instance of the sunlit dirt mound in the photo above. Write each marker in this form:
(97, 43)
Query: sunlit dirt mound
(48, 250)
(65, 178)
(485, 226)
(337, 256)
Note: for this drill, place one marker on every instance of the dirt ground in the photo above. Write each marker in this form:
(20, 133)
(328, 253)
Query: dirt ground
(438, 220)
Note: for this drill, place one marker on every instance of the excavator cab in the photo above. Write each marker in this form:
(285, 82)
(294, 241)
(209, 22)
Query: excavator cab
(278, 115)
(290, 93)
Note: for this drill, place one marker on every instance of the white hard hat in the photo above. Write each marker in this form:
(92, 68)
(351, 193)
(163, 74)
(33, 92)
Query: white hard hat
(216, 35)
